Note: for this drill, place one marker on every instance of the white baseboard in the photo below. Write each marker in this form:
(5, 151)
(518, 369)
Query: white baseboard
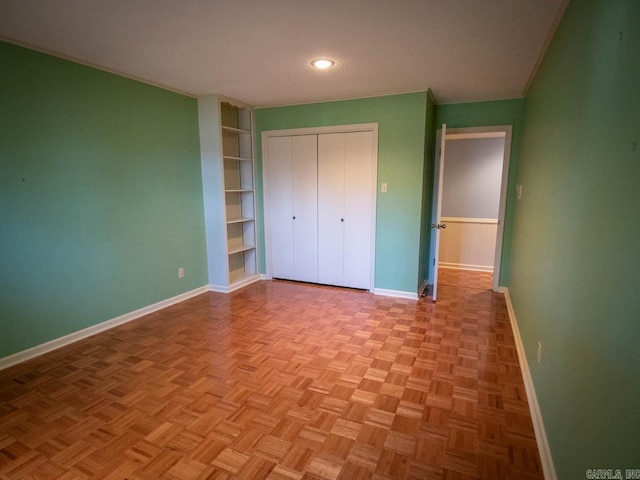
(464, 266)
(38, 350)
(232, 288)
(218, 288)
(536, 415)
(395, 293)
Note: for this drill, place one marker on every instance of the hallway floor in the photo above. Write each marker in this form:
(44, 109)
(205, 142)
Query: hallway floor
(465, 278)
(283, 381)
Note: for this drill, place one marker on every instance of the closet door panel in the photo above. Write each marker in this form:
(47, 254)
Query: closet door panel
(305, 208)
(330, 208)
(281, 207)
(358, 212)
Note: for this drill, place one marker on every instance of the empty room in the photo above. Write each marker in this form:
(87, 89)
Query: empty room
(319, 240)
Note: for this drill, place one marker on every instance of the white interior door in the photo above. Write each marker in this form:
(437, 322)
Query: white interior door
(437, 224)
(358, 173)
(331, 188)
(305, 208)
(281, 206)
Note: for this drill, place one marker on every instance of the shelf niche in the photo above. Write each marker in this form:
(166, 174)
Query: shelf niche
(227, 152)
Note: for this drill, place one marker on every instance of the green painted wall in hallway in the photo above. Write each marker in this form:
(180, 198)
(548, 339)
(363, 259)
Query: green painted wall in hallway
(100, 197)
(576, 256)
(401, 147)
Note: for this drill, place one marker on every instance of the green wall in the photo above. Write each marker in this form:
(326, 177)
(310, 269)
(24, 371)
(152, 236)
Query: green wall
(100, 197)
(576, 257)
(401, 147)
(483, 114)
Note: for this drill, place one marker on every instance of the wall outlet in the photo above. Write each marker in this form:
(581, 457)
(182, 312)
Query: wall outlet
(539, 352)
(181, 272)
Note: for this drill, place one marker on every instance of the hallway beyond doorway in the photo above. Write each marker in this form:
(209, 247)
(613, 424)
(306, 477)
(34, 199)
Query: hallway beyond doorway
(465, 278)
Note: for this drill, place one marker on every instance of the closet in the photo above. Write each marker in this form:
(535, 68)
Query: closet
(321, 206)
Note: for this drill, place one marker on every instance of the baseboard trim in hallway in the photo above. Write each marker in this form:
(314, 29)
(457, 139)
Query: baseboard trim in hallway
(395, 293)
(536, 415)
(28, 354)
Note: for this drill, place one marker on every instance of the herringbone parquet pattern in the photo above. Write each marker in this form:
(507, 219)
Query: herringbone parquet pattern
(282, 381)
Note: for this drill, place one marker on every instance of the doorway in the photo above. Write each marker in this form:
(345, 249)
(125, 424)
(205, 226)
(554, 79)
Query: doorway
(470, 186)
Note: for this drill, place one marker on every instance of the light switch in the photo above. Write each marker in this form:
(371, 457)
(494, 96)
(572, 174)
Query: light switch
(518, 191)
(383, 188)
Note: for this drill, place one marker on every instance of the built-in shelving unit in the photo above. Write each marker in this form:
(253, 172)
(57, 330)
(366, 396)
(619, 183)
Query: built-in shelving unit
(226, 137)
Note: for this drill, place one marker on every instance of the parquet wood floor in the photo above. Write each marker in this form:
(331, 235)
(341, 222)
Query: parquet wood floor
(282, 381)
(465, 278)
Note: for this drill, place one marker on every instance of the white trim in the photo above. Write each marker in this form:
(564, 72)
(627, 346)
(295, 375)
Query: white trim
(360, 97)
(357, 127)
(360, 127)
(465, 266)
(218, 288)
(43, 348)
(236, 285)
(492, 221)
(504, 187)
(472, 136)
(266, 210)
(534, 407)
(395, 293)
(482, 100)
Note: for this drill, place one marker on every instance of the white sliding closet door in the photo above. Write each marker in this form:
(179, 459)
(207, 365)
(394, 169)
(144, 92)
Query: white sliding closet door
(331, 208)
(293, 195)
(345, 179)
(305, 208)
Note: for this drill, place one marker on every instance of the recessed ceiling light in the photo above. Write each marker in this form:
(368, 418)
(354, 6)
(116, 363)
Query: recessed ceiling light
(323, 63)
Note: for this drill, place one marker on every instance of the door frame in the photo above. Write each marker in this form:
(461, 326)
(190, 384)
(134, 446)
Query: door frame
(486, 132)
(267, 134)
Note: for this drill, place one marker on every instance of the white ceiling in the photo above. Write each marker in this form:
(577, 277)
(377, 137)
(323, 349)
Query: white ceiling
(258, 51)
